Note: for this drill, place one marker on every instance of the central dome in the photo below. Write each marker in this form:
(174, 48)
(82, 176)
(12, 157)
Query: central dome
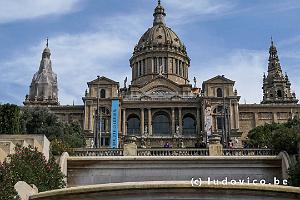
(159, 52)
(160, 36)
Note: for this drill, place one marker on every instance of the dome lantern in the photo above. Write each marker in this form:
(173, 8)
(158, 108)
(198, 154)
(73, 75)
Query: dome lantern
(159, 15)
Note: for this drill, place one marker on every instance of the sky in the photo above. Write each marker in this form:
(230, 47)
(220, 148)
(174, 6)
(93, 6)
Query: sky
(96, 37)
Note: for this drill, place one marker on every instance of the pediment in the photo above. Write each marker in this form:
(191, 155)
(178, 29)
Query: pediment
(219, 79)
(160, 85)
(103, 81)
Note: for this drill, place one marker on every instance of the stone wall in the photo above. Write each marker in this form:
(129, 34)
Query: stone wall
(8, 142)
(253, 115)
(96, 170)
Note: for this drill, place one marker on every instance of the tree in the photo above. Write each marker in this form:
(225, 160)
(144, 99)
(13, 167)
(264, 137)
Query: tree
(9, 119)
(30, 165)
(7, 190)
(63, 136)
(285, 139)
(72, 138)
(294, 175)
(39, 120)
(261, 136)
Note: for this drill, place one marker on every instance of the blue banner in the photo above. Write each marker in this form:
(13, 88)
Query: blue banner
(114, 126)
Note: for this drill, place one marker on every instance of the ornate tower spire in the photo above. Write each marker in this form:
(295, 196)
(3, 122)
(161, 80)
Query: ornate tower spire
(159, 15)
(276, 86)
(43, 89)
(274, 68)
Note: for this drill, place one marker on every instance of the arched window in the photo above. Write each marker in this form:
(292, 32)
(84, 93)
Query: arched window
(161, 124)
(220, 109)
(189, 125)
(102, 93)
(219, 92)
(279, 93)
(133, 125)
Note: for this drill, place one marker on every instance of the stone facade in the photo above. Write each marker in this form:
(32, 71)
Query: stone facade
(161, 105)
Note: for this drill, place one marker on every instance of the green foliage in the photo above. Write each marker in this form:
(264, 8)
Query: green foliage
(39, 120)
(72, 138)
(9, 119)
(29, 165)
(63, 136)
(261, 136)
(280, 137)
(7, 190)
(285, 139)
(294, 175)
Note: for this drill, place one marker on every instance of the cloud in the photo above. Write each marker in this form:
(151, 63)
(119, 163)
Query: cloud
(191, 10)
(77, 58)
(285, 6)
(107, 46)
(244, 66)
(29, 9)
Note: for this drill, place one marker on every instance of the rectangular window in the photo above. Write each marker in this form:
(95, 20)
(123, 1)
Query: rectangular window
(155, 65)
(177, 67)
(144, 66)
(139, 69)
(180, 68)
(159, 62)
(166, 65)
(172, 65)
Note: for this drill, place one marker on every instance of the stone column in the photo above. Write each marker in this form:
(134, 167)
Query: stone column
(173, 121)
(142, 121)
(198, 122)
(90, 116)
(255, 120)
(275, 119)
(237, 117)
(149, 121)
(85, 121)
(180, 120)
(152, 65)
(124, 122)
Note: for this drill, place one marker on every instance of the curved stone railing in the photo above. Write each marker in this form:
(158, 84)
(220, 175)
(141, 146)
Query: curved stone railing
(248, 152)
(172, 190)
(172, 152)
(96, 152)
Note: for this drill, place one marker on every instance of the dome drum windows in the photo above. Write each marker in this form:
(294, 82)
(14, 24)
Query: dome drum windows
(166, 65)
(141, 68)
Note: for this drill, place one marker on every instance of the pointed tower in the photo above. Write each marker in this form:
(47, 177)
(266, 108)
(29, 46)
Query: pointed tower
(276, 86)
(43, 88)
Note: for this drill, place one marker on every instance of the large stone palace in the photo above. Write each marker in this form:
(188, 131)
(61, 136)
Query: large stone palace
(161, 104)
